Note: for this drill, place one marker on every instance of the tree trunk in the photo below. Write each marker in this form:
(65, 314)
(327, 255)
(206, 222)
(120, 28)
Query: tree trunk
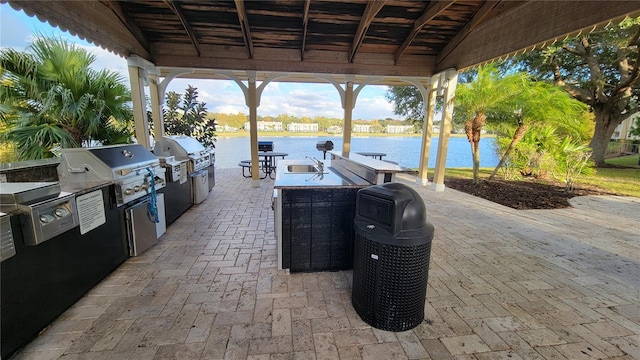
(473, 130)
(604, 128)
(517, 135)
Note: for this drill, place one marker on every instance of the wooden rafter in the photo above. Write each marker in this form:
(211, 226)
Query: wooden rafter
(305, 25)
(475, 21)
(244, 25)
(433, 10)
(370, 12)
(175, 7)
(128, 22)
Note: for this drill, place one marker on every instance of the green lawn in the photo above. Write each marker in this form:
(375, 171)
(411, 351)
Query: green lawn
(629, 160)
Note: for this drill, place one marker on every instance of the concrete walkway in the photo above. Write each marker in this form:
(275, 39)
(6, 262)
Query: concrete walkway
(503, 284)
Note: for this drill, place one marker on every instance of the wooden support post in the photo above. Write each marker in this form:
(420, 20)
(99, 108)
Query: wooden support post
(429, 98)
(450, 80)
(139, 111)
(156, 108)
(348, 113)
(253, 132)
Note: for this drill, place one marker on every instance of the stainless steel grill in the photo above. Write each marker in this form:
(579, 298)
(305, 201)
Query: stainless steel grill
(184, 147)
(131, 168)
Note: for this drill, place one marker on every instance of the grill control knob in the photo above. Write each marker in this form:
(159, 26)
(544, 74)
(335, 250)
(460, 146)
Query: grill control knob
(61, 212)
(136, 188)
(46, 218)
(144, 186)
(128, 192)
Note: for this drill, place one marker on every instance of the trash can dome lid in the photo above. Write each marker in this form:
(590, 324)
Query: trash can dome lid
(408, 202)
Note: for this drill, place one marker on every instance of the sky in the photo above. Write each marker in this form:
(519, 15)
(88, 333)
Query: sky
(220, 96)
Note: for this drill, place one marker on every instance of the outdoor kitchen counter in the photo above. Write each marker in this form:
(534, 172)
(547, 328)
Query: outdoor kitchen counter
(313, 216)
(329, 178)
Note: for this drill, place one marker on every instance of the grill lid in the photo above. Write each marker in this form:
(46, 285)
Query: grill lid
(105, 163)
(180, 146)
(120, 156)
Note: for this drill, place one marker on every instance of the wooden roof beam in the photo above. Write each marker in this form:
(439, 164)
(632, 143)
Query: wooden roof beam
(370, 12)
(128, 22)
(175, 7)
(434, 9)
(244, 26)
(305, 25)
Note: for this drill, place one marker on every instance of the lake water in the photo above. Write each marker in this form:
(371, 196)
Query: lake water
(403, 150)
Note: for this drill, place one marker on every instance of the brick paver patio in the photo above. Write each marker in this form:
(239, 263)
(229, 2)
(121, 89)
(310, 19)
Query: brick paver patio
(503, 284)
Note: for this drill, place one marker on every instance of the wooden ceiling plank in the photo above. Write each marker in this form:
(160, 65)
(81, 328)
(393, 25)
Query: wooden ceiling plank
(433, 10)
(477, 19)
(175, 7)
(370, 12)
(244, 25)
(305, 25)
(529, 25)
(128, 22)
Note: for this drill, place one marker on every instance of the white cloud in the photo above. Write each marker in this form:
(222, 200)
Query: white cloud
(108, 60)
(376, 107)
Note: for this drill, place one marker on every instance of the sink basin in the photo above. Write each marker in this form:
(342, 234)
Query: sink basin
(301, 169)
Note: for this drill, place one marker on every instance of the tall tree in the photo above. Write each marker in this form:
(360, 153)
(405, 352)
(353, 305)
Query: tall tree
(407, 101)
(538, 102)
(600, 69)
(52, 98)
(489, 95)
(185, 115)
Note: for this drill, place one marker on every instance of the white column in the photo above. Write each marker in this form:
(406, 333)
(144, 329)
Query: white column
(348, 113)
(429, 98)
(156, 108)
(139, 111)
(450, 80)
(253, 131)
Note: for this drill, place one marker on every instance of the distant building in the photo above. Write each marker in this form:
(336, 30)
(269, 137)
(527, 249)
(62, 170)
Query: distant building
(362, 128)
(265, 126)
(623, 130)
(302, 127)
(400, 129)
(226, 128)
(334, 129)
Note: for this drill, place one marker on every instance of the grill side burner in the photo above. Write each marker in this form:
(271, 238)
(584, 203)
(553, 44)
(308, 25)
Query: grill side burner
(44, 209)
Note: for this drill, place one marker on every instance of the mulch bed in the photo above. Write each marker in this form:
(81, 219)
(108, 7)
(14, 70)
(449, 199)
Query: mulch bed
(522, 195)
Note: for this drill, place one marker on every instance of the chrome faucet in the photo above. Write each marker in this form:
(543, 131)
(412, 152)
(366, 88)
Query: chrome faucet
(318, 163)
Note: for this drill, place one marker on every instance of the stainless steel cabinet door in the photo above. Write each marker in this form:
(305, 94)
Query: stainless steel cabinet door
(142, 231)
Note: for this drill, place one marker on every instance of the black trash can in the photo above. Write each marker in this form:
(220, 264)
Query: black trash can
(391, 256)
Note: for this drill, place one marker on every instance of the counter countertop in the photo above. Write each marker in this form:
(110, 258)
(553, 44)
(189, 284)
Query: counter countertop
(374, 164)
(330, 178)
(86, 187)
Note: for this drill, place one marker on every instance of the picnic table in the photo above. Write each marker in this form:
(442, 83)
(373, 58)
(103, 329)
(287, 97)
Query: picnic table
(267, 163)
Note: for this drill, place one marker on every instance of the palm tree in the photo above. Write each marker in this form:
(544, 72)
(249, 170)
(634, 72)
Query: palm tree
(52, 98)
(540, 103)
(488, 95)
